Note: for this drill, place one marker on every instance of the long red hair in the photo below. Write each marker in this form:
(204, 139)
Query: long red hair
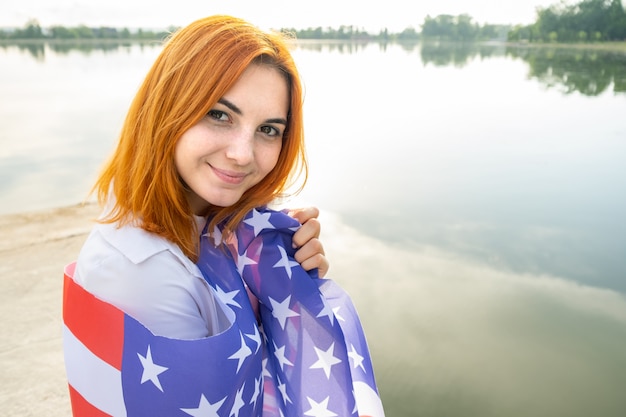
(196, 67)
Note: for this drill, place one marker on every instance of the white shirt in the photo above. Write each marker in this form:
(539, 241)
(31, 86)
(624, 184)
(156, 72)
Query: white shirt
(150, 279)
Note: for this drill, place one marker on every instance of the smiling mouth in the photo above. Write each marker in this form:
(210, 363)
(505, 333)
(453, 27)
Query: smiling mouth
(229, 177)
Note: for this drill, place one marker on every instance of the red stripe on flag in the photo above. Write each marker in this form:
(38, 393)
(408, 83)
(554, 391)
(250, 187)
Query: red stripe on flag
(82, 408)
(98, 325)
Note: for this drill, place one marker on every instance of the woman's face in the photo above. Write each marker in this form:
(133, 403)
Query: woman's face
(237, 143)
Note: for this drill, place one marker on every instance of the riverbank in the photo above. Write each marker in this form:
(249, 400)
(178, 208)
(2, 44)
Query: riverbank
(619, 46)
(33, 251)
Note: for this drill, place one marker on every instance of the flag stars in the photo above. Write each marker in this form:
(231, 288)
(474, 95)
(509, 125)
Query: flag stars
(243, 352)
(217, 236)
(284, 262)
(227, 298)
(259, 221)
(205, 408)
(257, 390)
(266, 371)
(326, 311)
(281, 311)
(282, 387)
(325, 359)
(357, 360)
(151, 371)
(242, 261)
(279, 353)
(319, 409)
(238, 404)
(255, 337)
(336, 313)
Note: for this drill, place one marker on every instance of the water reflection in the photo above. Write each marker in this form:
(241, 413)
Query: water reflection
(341, 47)
(478, 218)
(35, 49)
(39, 49)
(455, 337)
(457, 54)
(589, 72)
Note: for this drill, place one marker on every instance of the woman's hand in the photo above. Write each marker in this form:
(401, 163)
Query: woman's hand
(310, 253)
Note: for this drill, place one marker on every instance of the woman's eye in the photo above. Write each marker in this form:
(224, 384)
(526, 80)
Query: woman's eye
(218, 115)
(269, 130)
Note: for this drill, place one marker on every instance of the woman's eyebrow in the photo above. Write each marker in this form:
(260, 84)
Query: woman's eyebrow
(230, 105)
(237, 110)
(278, 120)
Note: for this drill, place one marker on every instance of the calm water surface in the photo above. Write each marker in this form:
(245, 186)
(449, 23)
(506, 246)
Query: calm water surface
(473, 203)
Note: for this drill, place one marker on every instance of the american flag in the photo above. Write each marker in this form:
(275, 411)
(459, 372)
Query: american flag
(307, 356)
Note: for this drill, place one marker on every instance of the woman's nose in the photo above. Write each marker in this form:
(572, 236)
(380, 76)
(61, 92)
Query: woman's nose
(241, 147)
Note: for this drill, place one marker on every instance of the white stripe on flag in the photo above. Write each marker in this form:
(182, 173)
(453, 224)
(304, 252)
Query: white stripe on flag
(367, 400)
(97, 381)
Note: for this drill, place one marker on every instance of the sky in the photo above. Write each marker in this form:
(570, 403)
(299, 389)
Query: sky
(395, 15)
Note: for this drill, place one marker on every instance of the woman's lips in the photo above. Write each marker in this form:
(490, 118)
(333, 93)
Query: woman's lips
(230, 177)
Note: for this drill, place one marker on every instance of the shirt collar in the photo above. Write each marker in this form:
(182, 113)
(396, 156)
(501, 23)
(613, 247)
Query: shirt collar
(138, 244)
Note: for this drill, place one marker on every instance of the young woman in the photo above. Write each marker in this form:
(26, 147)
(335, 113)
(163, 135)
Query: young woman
(213, 136)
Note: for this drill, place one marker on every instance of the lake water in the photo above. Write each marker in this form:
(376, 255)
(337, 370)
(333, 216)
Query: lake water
(472, 198)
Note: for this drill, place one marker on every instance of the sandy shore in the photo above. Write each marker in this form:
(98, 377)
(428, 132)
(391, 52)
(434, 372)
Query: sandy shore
(33, 251)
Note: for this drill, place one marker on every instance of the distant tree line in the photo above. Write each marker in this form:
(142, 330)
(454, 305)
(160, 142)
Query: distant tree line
(33, 30)
(441, 27)
(461, 28)
(342, 33)
(587, 21)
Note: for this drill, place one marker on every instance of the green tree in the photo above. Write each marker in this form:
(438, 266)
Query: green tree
(450, 27)
(85, 32)
(61, 32)
(408, 34)
(593, 17)
(616, 24)
(32, 30)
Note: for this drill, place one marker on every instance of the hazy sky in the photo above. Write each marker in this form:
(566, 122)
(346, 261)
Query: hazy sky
(371, 15)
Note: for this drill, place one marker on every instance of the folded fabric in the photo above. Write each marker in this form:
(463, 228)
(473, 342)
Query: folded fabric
(307, 356)
(317, 359)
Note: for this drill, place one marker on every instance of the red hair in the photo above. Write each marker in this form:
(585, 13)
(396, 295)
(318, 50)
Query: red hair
(196, 67)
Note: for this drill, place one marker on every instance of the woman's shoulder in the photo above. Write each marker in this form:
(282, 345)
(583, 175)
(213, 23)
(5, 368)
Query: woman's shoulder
(147, 277)
(128, 250)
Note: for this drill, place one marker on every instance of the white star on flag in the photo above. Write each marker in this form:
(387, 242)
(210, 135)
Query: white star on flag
(280, 356)
(255, 337)
(356, 358)
(259, 221)
(326, 311)
(325, 359)
(281, 311)
(284, 262)
(238, 404)
(227, 297)
(205, 408)
(217, 236)
(283, 391)
(257, 390)
(241, 355)
(266, 371)
(319, 409)
(151, 371)
(336, 311)
(242, 261)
